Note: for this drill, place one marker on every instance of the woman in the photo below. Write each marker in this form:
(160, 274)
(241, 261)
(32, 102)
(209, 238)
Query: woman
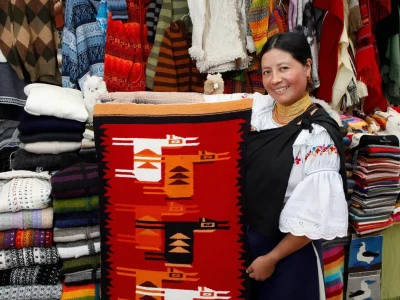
(295, 178)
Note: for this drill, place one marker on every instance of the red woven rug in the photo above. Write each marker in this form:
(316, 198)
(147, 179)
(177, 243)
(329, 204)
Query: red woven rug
(171, 215)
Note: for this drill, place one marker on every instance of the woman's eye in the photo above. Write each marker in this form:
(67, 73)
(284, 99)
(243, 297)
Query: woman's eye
(284, 68)
(267, 72)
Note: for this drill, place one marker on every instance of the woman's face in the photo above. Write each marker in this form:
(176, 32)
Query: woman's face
(284, 78)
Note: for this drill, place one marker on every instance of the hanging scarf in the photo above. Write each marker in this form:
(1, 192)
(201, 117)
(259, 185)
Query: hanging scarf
(269, 161)
(367, 62)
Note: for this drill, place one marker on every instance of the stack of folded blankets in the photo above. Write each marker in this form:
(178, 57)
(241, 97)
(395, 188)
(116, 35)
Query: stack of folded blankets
(52, 125)
(377, 186)
(88, 149)
(29, 263)
(76, 220)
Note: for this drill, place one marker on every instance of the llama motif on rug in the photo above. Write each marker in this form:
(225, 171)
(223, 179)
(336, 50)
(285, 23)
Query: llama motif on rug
(176, 294)
(147, 154)
(179, 174)
(178, 238)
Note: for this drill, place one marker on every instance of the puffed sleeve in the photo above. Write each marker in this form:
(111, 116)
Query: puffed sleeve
(317, 208)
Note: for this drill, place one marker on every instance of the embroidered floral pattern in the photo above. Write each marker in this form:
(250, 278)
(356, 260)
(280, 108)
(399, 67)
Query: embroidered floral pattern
(297, 160)
(320, 150)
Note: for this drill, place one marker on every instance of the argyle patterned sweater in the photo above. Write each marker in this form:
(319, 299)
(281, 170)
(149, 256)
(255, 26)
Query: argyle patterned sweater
(28, 39)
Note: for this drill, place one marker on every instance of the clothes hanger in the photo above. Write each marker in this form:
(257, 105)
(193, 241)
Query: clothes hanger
(185, 16)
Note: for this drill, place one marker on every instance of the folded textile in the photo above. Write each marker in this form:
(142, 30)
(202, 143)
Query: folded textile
(76, 204)
(21, 190)
(17, 239)
(31, 292)
(88, 155)
(50, 147)
(77, 181)
(86, 144)
(50, 137)
(23, 160)
(76, 219)
(79, 248)
(26, 219)
(88, 134)
(64, 235)
(30, 124)
(83, 277)
(361, 140)
(152, 97)
(46, 275)
(7, 124)
(80, 264)
(87, 292)
(26, 257)
(41, 101)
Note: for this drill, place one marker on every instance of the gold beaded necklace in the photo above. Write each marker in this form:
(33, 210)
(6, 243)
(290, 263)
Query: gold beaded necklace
(283, 114)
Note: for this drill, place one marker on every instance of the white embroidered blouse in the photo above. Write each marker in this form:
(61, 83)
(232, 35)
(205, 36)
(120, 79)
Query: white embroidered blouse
(315, 203)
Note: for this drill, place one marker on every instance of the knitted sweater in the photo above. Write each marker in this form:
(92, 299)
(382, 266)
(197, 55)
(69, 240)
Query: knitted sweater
(76, 219)
(28, 39)
(79, 248)
(25, 219)
(23, 160)
(30, 124)
(82, 44)
(46, 275)
(31, 292)
(87, 292)
(50, 137)
(76, 204)
(20, 190)
(152, 15)
(81, 264)
(16, 238)
(83, 277)
(175, 71)
(64, 235)
(25, 257)
(219, 44)
(171, 11)
(79, 180)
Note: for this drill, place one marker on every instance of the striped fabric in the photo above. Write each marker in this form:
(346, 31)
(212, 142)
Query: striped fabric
(333, 272)
(76, 204)
(171, 11)
(80, 180)
(152, 15)
(86, 292)
(24, 219)
(16, 239)
(258, 19)
(175, 71)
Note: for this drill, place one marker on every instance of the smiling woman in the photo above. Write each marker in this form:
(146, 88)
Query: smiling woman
(295, 178)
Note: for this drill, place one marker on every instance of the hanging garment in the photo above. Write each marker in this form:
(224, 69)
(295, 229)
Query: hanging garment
(127, 50)
(118, 9)
(175, 71)
(306, 24)
(332, 28)
(82, 44)
(367, 63)
(171, 11)
(152, 16)
(354, 18)
(218, 44)
(28, 39)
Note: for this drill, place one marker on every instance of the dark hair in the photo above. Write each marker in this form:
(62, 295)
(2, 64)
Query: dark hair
(295, 43)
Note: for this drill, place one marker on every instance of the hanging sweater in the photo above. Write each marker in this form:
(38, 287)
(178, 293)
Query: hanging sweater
(219, 44)
(28, 39)
(171, 11)
(175, 71)
(332, 29)
(152, 15)
(82, 44)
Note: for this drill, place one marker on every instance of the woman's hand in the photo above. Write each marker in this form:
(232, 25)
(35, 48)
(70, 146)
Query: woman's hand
(262, 267)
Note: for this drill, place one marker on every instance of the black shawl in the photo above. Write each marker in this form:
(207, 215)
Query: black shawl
(268, 164)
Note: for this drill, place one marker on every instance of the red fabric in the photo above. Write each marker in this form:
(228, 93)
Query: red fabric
(127, 50)
(380, 9)
(332, 29)
(150, 223)
(367, 63)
